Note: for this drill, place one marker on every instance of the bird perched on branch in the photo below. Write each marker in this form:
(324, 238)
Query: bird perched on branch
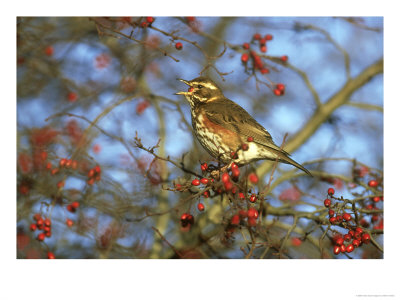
(226, 130)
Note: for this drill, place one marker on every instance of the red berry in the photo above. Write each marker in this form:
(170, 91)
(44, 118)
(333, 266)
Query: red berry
(228, 185)
(97, 169)
(336, 250)
(376, 199)
(346, 217)
(234, 166)
(204, 180)
(204, 167)
(246, 46)
(149, 20)
(280, 86)
(351, 232)
(178, 46)
(241, 196)
(206, 194)
(251, 222)
(195, 182)
(252, 213)
(331, 191)
(33, 227)
(234, 155)
(48, 166)
(39, 222)
(245, 147)
(143, 24)
(235, 173)
(69, 222)
(63, 161)
(359, 230)
(349, 248)
(277, 92)
(47, 233)
(60, 184)
(245, 57)
(366, 238)
(235, 220)
(253, 198)
(264, 71)
(47, 222)
(190, 19)
(339, 241)
(257, 36)
(263, 49)
(49, 50)
(331, 212)
(242, 214)
(50, 255)
(75, 204)
(268, 37)
(72, 97)
(253, 178)
(37, 217)
(200, 206)
(46, 228)
(41, 237)
(70, 208)
(332, 220)
(342, 248)
(339, 218)
(250, 139)
(356, 243)
(327, 202)
(373, 183)
(225, 177)
(347, 237)
(284, 58)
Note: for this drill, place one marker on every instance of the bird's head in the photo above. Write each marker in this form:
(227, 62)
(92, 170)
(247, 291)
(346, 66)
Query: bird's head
(201, 90)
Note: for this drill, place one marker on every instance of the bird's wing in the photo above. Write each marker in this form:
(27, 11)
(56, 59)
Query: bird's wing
(233, 117)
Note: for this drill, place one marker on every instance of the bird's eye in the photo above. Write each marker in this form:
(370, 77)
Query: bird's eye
(199, 86)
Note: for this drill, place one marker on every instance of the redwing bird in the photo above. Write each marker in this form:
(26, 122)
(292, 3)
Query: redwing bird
(226, 130)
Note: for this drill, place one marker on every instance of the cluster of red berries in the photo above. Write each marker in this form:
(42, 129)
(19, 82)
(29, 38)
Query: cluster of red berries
(349, 241)
(94, 175)
(148, 22)
(187, 220)
(41, 224)
(251, 214)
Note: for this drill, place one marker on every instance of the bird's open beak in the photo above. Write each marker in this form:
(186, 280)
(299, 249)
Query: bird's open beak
(183, 93)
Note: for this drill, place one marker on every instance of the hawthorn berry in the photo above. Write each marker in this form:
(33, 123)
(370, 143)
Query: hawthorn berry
(331, 191)
(332, 220)
(268, 37)
(280, 86)
(200, 206)
(359, 230)
(339, 218)
(284, 58)
(195, 182)
(228, 185)
(242, 214)
(69, 222)
(346, 217)
(245, 147)
(336, 250)
(234, 155)
(204, 180)
(252, 222)
(246, 46)
(60, 184)
(50, 255)
(235, 173)
(62, 162)
(263, 49)
(245, 57)
(46, 228)
(253, 178)
(47, 233)
(264, 71)
(72, 97)
(49, 50)
(347, 237)
(241, 196)
(33, 227)
(250, 139)
(339, 241)
(342, 248)
(376, 199)
(204, 167)
(327, 202)
(277, 92)
(252, 213)
(350, 248)
(143, 24)
(253, 198)
(75, 204)
(356, 243)
(41, 237)
(373, 183)
(225, 177)
(331, 212)
(178, 46)
(206, 194)
(235, 220)
(366, 238)
(149, 20)
(257, 36)
(39, 222)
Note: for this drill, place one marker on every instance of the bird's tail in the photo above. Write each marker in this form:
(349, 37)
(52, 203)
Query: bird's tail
(284, 158)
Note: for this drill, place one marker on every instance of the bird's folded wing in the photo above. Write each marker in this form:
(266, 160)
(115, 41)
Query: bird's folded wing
(238, 120)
